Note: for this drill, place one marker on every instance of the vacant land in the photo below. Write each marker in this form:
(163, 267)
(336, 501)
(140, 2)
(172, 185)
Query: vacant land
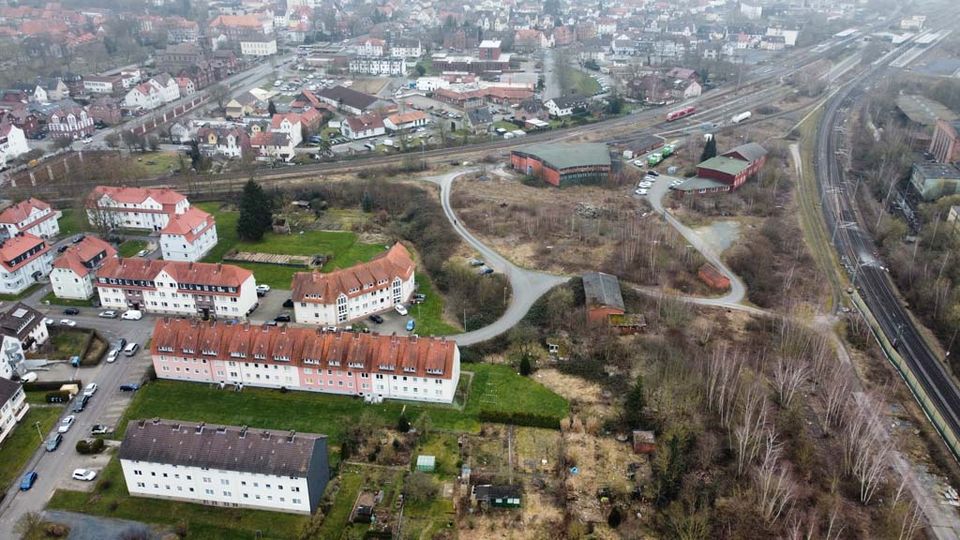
(131, 247)
(24, 441)
(494, 389)
(73, 221)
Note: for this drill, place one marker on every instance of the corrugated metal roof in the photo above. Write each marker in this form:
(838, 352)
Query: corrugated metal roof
(602, 290)
(565, 156)
(725, 165)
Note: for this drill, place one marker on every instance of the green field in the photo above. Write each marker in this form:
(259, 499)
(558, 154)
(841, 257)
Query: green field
(73, 222)
(130, 248)
(52, 299)
(26, 292)
(341, 245)
(494, 387)
(17, 448)
(111, 499)
(156, 163)
(353, 478)
(429, 315)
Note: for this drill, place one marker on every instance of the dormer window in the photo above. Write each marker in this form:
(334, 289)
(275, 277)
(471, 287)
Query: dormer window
(435, 371)
(259, 356)
(187, 350)
(409, 369)
(281, 358)
(355, 364)
(237, 354)
(209, 352)
(334, 363)
(165, 348)
(388, 367)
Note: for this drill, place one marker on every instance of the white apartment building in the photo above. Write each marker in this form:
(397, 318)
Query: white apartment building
(355, 292)
(101, 85)
(30, 216)
(290, 124)
(409, 49)
(73, 271)
(237, 467)
(188, 236)
(177, 288)
(371, 47)
(168, 86)
(21, 328)
(134, 208)
(258, 47)
(379, 65)
(13, 143)
(345, 363)
(143, 96)
(363, 127)
(13, 406)
(24, 260)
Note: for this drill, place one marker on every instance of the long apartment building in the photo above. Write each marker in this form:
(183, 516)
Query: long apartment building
(13, 406)
(237, 467)
(177, 288)
(347, 363)
(72, 275)
(30, 216)
(24, 260)
(355, 292)
(134, 208)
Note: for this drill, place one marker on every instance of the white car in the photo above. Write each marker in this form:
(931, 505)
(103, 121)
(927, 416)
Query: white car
(85, 475)
(90, 389)
(400, 309)
(49, 322)
(649, 178)
(68, 322)
(644, 184)
(143, 253)
(112, 356)
(641, 191)
(29, 377)
(132, 315)
(66, 424)
(638, 163)
(107, 314)
(263, 289)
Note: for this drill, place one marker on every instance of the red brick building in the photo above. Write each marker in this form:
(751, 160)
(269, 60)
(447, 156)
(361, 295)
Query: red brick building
(603, 298)
(945, 145)
(564, 164)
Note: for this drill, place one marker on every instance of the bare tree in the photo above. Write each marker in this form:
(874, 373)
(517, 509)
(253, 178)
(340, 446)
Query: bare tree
(789, 376)
(773, 485)
(866, 448)
(912, 519)
(722, 378)
(749, 434)
(837, 391)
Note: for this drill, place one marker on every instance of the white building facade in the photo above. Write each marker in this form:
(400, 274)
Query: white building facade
(258, 47)
(24, 259)
(73, 271)
(13, 407)
(13, 143)
(134, 208)
(379, 65)
(188, 236)
(31, 216)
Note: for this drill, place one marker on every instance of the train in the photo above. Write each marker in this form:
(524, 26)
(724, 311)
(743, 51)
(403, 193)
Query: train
(680, 113)
(737, 118)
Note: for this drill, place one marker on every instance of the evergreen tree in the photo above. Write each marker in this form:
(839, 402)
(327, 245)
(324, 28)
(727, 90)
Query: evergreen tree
(525, 367)
(366, 202)
(256, 216)
(634, 405)
(271, 108)
(709, 149)
(403, 425)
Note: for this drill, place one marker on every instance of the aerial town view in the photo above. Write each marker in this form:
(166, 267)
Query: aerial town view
(522, 269)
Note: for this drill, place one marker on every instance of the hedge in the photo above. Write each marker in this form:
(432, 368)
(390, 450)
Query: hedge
(94, 446)
(49, 385)
(520, 419)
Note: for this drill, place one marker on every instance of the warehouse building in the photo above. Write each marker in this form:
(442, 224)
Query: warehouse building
(727, 171)
(564, 164)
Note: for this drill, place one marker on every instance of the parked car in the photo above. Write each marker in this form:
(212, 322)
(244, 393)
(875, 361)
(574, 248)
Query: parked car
(110, 314)
(49, 322)
(54, 442)
(129, 387)
(411, 324)
(79, 238)
(84, 475)
(68, 322)
(28, 377)
(66, 424)
(61, 249)
(80, 403)
(330, 328)
(262, 289)
(475, 262)
(641, 191)
(653, 173)
(90, 389)
(132, 315)
(28, 480)
(283, 317)
(143, 253)
(288, 303)
(99, 429)
(112, 355)
(131, 349)
(400, 309)
(486, 270)
(121, 343)
(376, 318)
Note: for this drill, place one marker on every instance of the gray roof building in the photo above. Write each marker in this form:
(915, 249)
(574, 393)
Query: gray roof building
(19, 321)
(935, 180)
(8, 389)
(566, 156)
(602, 290)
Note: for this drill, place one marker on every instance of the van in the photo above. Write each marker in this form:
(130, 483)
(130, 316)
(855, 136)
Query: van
(131, 349)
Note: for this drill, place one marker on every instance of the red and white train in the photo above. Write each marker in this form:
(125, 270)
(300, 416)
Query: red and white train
(680, 113)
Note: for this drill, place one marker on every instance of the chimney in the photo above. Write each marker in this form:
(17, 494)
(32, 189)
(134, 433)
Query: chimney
(200, 427)
(265, 434)
(290, 435)
(156, 420)
(141, 423)
(175, 427)
(243, 431)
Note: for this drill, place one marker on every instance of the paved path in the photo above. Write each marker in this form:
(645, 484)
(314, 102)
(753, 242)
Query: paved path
(87, 527)
(528, 285)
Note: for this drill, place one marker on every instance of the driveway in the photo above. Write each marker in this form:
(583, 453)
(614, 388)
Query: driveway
(86, 527)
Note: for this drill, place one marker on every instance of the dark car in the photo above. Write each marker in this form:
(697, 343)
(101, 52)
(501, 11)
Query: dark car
(71, 311)
(288, 303)
(129, 387)
(376, 318)
(653, 173)
(61, 249)
(79, 238)
(28, 480)
(81, 403)
(121, 343)
(54, 441)
(283, 317)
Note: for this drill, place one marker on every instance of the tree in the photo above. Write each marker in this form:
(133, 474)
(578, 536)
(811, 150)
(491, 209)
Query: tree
(423, 424)
(28, 525)
(614, 104)
(112, 139)
(403, 424)
(709, 149)
(366, 202)
(634, 405)
(256, 216)
(525, 367)
(614, 519)
(60, 143)
(218, 93)
(421, 71)
(154, 143)
(419, 487)
(271, 108)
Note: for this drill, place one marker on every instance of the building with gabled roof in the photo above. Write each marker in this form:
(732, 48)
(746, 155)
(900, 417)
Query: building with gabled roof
(603, 297)
(177, 288)
(24, 260)
(134, 208)
(188, 236)
(21, 328)
(30, 216)
(280, 471)
(351, 293)
(72, 274)
(368, 365)
(13, 406)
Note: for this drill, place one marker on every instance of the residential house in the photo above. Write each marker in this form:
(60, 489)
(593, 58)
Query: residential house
(258, 46)
(106, 110)
(134, 208)
(371, 47)
(50, 89)
(22, 328)
(225, 141)
(13, 143)
(30, 216)
(362, 127)
(227, 466)
(406, 48)
(564, 106)
(273, 145)
(379, 65)
(290, 124)
(13, 406)
(405, 121)
(73, 271)
(479, 120)
(186, 85)
(177, 288)
(347, 100)
(334, 298)
(169, 89)
(308, 359)
(188, 236)
(70, 121)
(143, 96)
(106, 84)
(24, 260)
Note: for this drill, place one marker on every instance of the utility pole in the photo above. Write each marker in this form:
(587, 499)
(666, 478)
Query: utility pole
(39, 434)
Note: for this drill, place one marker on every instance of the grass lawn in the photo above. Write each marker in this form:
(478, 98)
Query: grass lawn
(131, 247)
(52, 299)
(427, 519)
(504, 125)
(17, 448)
(429, 315)
(27, 292)
(67, 342)
(156, 163)
(354, 478)
(444, 447)
(203, 521)
(494, 387)
(343, 246)
(73, 222)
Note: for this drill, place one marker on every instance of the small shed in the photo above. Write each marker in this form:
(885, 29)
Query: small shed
(503, 496)
(603, 297)
(426, 463)
(713, 278)
(644, 442)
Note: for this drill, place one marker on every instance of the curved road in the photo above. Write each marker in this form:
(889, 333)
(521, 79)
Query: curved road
(528, 285)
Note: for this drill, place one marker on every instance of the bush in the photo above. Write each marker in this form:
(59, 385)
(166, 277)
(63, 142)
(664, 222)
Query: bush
(520, 419)
(56, 530)
(49, 385)
(94, 446)
(403, 424)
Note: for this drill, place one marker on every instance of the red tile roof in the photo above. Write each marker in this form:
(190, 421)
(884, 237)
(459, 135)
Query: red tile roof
(325, 288)
(306, 347)
(277, 119)
(21, 211)
(184, 224)
(365, 122)
(164, 196)
(75, 257)
(18, 245)
(195, 273)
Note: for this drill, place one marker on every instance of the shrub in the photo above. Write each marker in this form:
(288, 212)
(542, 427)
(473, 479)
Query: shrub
(403, 424)
(520, 419)
(87, 447)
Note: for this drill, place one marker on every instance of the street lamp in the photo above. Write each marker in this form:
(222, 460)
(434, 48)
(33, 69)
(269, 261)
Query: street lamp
(39, 434)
